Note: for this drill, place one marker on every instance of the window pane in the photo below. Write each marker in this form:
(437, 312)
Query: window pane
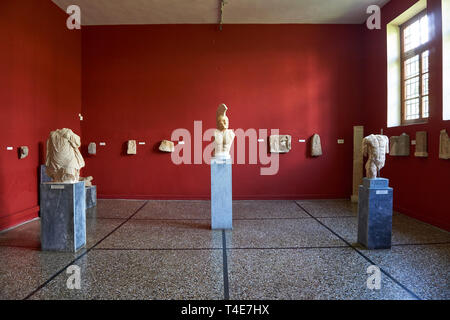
(412, 36)
(412, 109)
(416, 34)
(412, 67)
(412, 88)
(425, 84)
(425, 60)
(425, 108)
(424, 29)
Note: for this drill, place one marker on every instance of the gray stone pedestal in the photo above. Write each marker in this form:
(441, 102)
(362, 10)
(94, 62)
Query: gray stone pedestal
(221, 194)
(91, 192)
(63, 216)
(375, 213)
(91, 197)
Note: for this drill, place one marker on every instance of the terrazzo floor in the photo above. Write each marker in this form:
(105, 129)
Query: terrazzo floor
(276, 250)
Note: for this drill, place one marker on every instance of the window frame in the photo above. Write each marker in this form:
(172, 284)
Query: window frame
(405, 56)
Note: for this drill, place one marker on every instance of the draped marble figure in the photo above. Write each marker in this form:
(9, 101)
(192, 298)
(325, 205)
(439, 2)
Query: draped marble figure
(223, 137)
(64, 160)
(375, 147)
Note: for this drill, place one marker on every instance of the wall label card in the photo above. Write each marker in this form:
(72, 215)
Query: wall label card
(382, 191)
(57, 187)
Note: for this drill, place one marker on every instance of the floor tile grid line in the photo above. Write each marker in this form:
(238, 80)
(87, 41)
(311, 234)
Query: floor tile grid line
(203, 249)
(83, 254)
(226, 290)
(419, 244)
(362, 255)
(155, 249)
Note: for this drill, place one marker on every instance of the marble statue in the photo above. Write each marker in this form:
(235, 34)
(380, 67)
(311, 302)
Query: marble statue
(131, 147)
(23, 152)
(223, 137)
(166, 146)
(399, 145)
(444, 145)
(92, 148)
(316, 146)
(64, 160)
(375, 147)
(421, 144)
(280, 143)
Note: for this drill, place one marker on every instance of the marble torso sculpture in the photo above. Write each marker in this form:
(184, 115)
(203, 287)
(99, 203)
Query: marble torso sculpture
(223, 137)
(375, 147)
(64, 160)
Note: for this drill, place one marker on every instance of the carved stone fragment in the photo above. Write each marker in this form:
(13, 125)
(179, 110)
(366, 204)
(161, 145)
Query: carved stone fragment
(421, 144)
(166, 146)
(444, 145)
(131, 149)
(280, 143)
(316, 147)
(399, 145)
(92, 148)
(23, 152)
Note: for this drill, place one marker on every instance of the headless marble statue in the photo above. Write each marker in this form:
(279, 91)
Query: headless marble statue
(223, 137)
(375, 147)
(64, 160)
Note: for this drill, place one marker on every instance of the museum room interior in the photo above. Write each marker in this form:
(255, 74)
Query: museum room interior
(225, 150)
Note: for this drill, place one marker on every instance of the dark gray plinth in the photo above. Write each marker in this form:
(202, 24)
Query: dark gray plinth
(63, 216)
(375, 213)
(91, 192)
(221, 194)
(44, 177)
(91, 196)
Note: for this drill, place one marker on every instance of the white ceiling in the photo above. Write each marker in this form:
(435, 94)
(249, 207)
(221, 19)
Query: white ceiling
(108, 12)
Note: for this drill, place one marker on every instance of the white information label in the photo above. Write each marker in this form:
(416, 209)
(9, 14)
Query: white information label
(9, 148)
(102, 143)
(382, 192)
(260, 140)
(180, 142)
(302, 140)
(340, 141)
(57, 187)
(141, 143)
(413, 142)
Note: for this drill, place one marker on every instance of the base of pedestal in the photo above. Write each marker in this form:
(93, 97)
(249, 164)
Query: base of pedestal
(375, 213)
(221, 194)
(63, 216)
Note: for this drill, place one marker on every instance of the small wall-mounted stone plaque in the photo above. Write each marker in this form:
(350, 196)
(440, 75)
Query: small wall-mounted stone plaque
(444, 145)
(399, 145)
(23, 152)
(421, 144)
(316, 146)
(92, 148)
(131, 148)
(280, 143)
(166, 146)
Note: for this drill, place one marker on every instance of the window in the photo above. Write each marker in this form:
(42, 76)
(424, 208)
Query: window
(415, 69)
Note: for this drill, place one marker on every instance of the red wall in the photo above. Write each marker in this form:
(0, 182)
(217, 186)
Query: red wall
(421, 185)
(40, 90)
(142, 82)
